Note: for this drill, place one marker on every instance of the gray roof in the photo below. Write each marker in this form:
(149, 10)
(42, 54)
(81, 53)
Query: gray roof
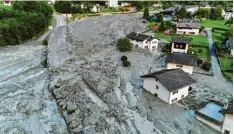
(230, 42)
(139, 37)
(182, 58)
(172, 79)
(182, 40)
(188, 25)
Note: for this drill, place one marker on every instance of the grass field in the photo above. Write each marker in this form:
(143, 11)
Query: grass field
(5, 7)
(164, 36)
(215, 23)
(227, 64)
(204, 54)
(103, 9)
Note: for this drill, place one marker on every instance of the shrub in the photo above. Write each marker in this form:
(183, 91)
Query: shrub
(45, 42)
(44, 63)
(124, 45)
(124, 58)
(126, 63)
(206, 66)
(200, 50)
(199, 61)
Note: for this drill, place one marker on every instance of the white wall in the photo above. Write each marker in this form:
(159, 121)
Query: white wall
(187, 31)
(150, 85)
(186, 68)
(179, 50)
(113, 3)
(228, 123)
(141, 44)
(217, 127)
(228, 15)
(182, 91)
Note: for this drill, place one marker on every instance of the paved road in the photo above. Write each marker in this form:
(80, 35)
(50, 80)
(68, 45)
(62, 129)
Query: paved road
(214, 61)
(59, 21)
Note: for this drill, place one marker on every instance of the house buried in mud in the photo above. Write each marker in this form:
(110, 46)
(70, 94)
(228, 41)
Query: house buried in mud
(180, 44)
(170, 85)
(143, 41)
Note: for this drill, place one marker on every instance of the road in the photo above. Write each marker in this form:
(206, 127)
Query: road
(59, 21)
(214, 61)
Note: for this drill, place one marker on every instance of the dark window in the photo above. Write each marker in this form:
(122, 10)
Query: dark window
(156, 79)
(174, 100)
(179, 45)
(153, 46)
(192, 32)
(136, 45)
(190, 88)
(156, 86)
(146, 46)
(182, 96)
(156, 95)
(179, 66)
(226, 132)
(175, 92)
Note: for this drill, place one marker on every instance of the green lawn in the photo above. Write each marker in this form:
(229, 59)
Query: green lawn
(215, 23)
(164, 36)
(204, 54)
(218, 36)
(5, 7)
(103, 9)
(227, 64)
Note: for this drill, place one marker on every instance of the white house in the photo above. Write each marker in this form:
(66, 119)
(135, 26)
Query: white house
(143, 41)
(170, 85)
(181, 60)
(191, 9)
(204, 5)
(180, 44)
(227, 127)
(190, 28)
(7, 2)
(113, 3)
(228, 15)
(95, 9)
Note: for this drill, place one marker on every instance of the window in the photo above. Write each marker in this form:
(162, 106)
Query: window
(226, 132)
(179, 66)
(153, 47)
(156, 94)
(146, 42)
(146, 46)
(190, 88)
(156, 79)
(191, 32)
(181, 46)
(174, 100)
(177, 46)
(156, 86)
(175, 92)
(136, 45)
(154, 42)
(182, 96)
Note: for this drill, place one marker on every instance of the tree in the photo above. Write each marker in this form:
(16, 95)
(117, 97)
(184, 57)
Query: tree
(124, 58)
(146, 13)
(215, 13)
(124, 45)
(199, 61)
(63, 6)
(138, 4)
(182, 13)
(160, 17)
(206, 66)
(228, 33)
(202, 13)
(162, 27)
(229, 21)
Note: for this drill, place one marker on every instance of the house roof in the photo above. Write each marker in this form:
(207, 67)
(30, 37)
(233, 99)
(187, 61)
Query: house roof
(229, 109)
(230, 42)
(139, 37)
(182, 40)
(172, 79)
(182, 58)
(188, 25)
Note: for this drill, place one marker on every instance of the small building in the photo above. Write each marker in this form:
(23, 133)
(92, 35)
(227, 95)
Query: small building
(190, 28)
(143, 41)
(191, 9)
(217, 115)
(180, 44)
(228, 14)
(7, 2)
(181, 60)
(170, 85)
(154, 27)
(95, 9)
(113, 3)
(229, 44)
(168, 13)
(130, 9)
(204, 4)
(227, 127)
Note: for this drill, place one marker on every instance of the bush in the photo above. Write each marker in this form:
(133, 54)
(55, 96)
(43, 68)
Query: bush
(206, 66)
(199, 61)
(45, 42)
(200, 50)
(126, 63)
(124, 58)
(124, 45)
(44, 63)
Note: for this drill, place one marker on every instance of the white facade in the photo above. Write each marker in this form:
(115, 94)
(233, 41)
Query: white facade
(228, 123)
(215, 126)
(191, 9)
(95, 9)
(158, 89)
(7, 3)
(192, 31)
(173, 49)
(228, 15)
(185, 68)
(151, 45)
(113, 3)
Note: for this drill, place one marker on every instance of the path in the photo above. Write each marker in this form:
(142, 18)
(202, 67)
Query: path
(213, 58)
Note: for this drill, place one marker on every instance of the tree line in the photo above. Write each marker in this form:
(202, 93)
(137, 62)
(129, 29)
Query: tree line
(26, 20)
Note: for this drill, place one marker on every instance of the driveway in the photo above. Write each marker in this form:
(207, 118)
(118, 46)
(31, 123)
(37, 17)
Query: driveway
(214, 61)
